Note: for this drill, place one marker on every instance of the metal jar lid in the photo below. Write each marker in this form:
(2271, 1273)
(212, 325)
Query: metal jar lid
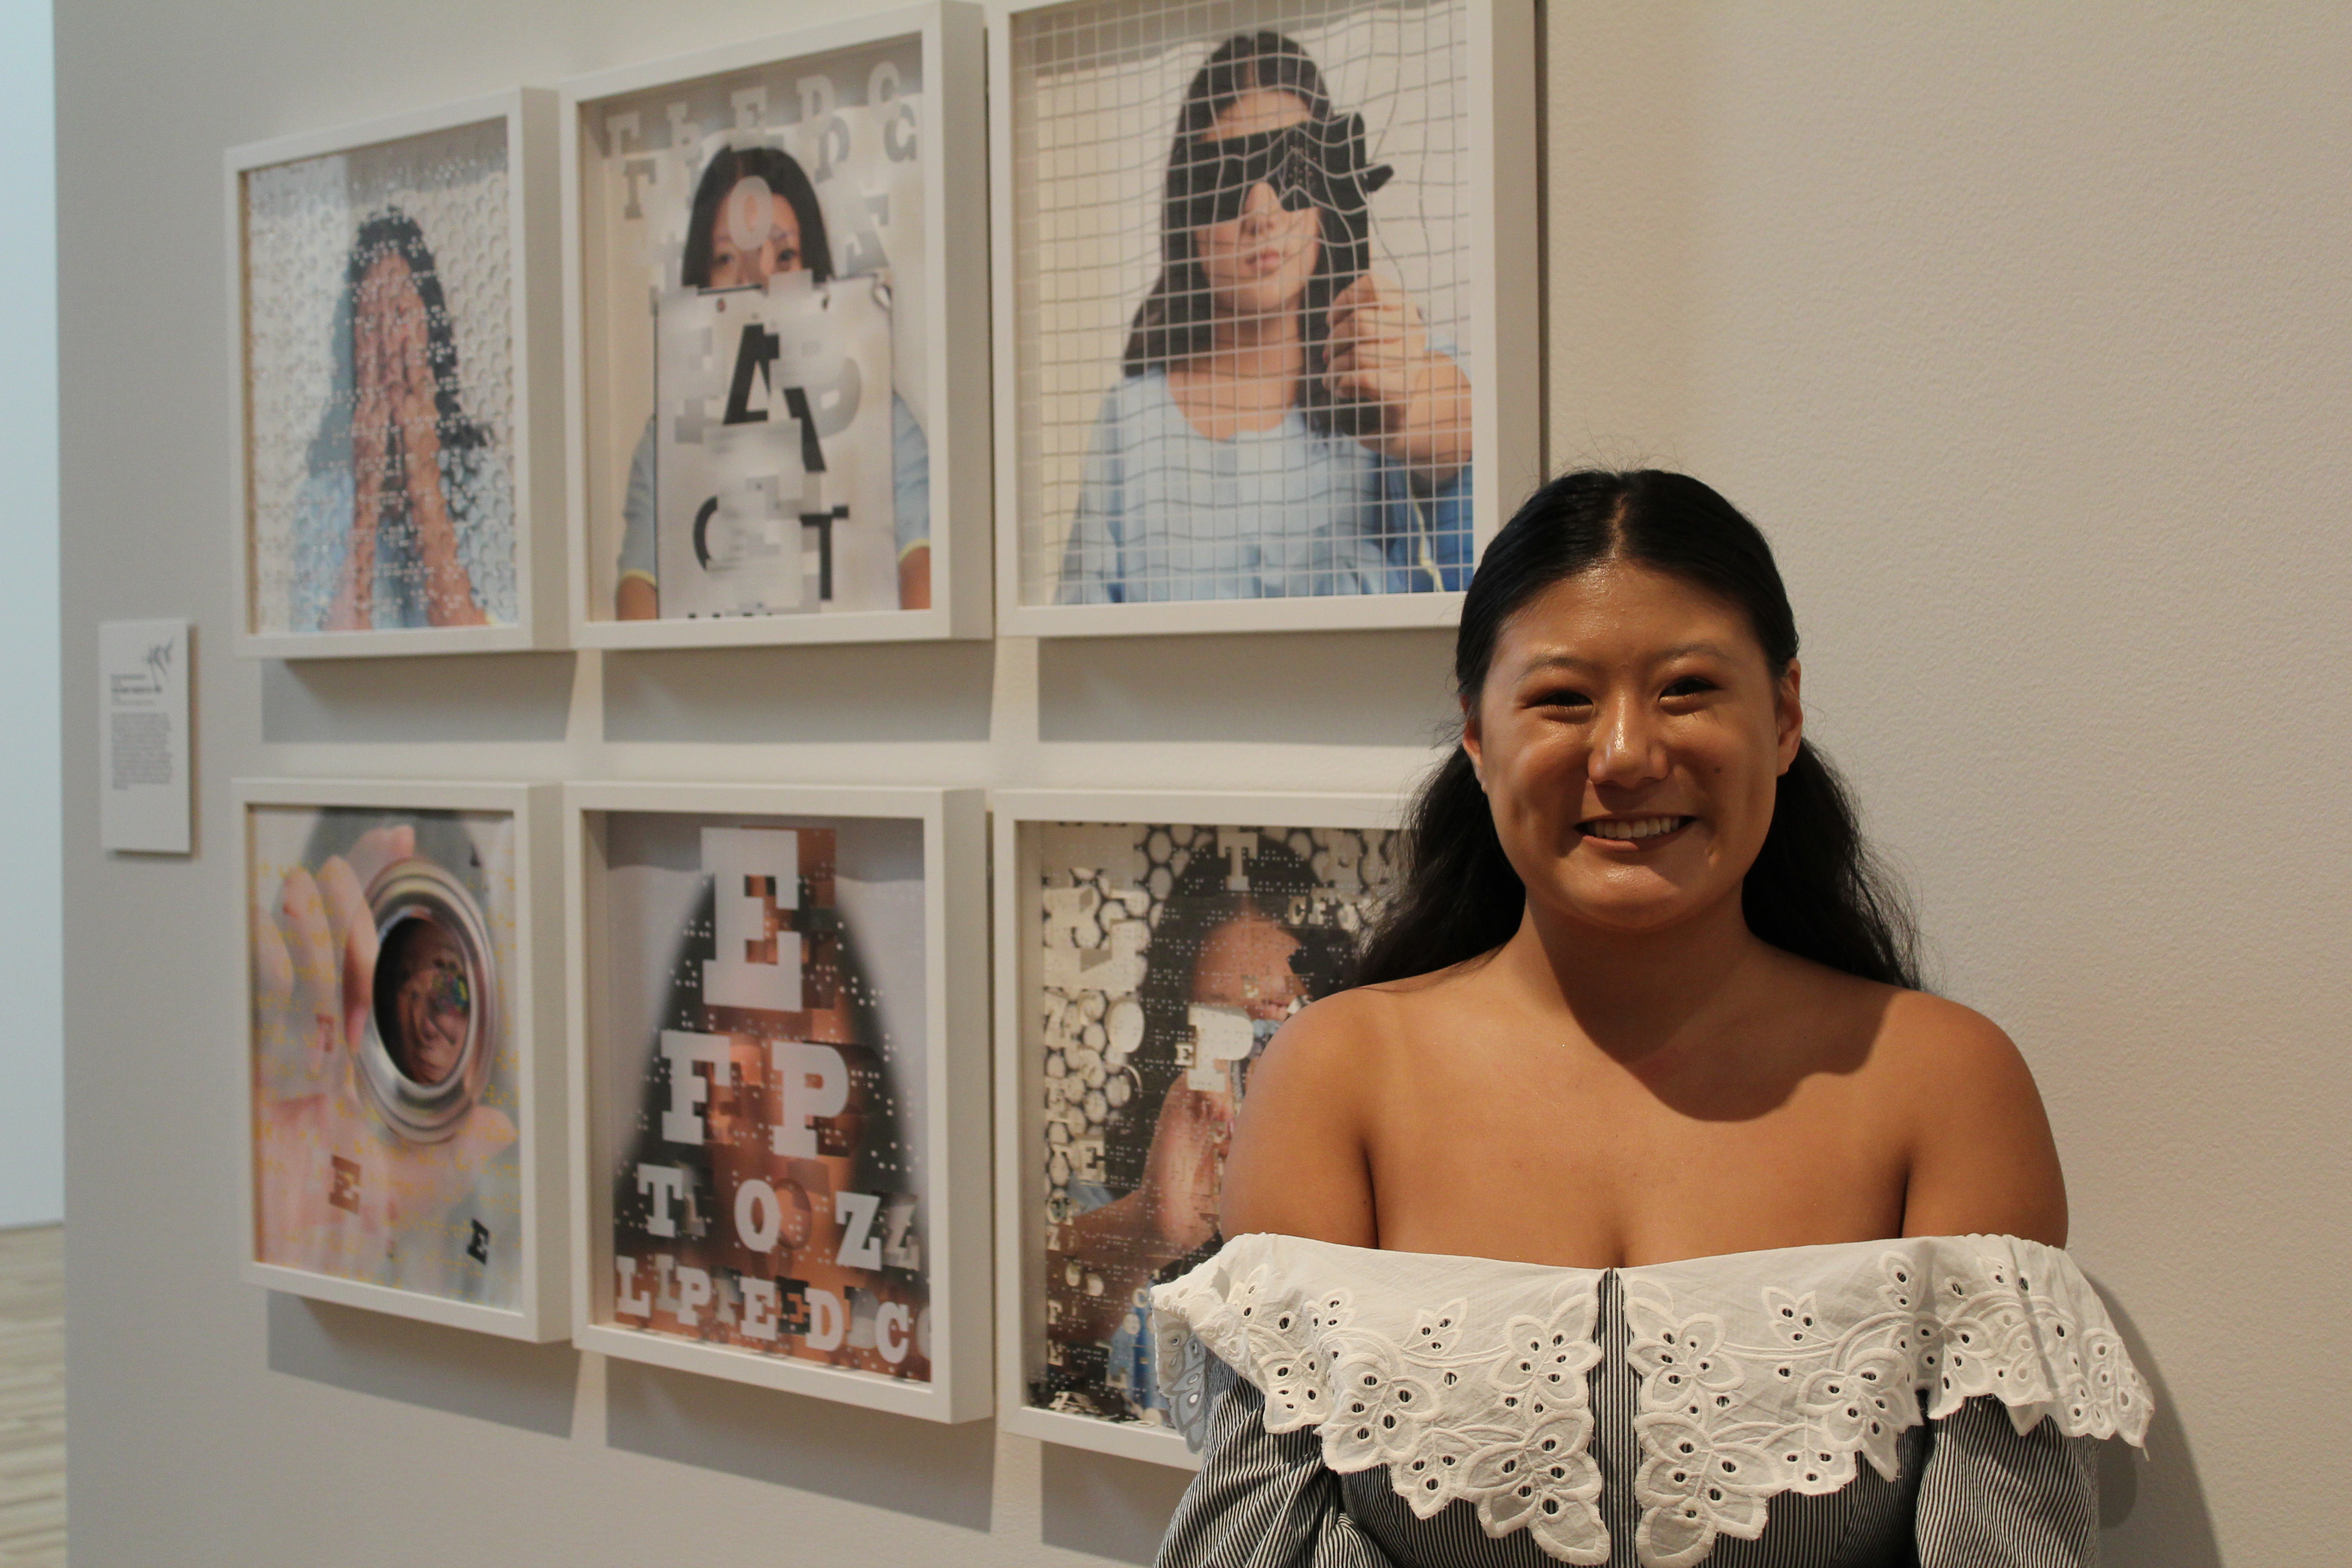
(415, 902)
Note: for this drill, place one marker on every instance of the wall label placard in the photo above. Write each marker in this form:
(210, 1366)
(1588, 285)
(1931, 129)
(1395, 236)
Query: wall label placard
(143, 736)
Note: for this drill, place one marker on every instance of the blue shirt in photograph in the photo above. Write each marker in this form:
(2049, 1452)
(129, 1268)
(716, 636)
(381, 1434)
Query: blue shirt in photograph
(1167, 514)
(911, 495)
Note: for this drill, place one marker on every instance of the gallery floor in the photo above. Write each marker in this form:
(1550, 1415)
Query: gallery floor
(33, 1398)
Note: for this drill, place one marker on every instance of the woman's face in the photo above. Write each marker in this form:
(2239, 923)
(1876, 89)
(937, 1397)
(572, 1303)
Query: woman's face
(389, 331)
(1245, 963)
(433, 1003)
(1631, 737)
(1259, 263)
(754, 235)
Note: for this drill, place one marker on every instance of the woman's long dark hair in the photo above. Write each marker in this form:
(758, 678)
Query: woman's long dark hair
(1176, 321)
(1815, 889)
(783, 175)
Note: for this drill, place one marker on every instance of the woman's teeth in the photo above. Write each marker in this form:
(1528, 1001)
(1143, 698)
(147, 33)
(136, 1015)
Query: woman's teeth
(1631, 826)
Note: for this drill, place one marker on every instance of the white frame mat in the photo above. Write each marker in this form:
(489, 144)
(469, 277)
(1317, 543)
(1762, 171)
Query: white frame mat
(1505, 340)
(955, 310)
(1019, 1179)
(534, 1003)
(537, 452)
(956, 1086)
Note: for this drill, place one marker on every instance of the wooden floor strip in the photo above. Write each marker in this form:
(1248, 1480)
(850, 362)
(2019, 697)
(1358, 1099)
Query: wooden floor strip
(33, 1398)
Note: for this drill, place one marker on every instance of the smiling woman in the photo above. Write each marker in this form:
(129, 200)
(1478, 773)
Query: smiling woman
(1636, 1192)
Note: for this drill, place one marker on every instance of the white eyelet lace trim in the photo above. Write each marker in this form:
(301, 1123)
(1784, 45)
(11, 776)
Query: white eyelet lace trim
(1761, 1373)
(1498, 1414)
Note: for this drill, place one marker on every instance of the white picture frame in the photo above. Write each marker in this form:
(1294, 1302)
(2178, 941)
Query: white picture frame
(1501, 138)
(955, 298)
(953, 837)
(533, 333)
(532, 1005)
(1020, 1181)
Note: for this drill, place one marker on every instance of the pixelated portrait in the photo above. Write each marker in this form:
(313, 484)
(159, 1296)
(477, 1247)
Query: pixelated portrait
(383, 1062)
(1166, 956)
(1242, 295)
(753, 276)
(379, 359)
(757, 1095)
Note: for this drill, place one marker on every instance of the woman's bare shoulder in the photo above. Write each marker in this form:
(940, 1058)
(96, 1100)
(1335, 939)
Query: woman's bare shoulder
(1982, 1156)
(1910, 1032)
(1296, 1166)
(1326, 1046)
(1937, 1040)
(1353, 1030)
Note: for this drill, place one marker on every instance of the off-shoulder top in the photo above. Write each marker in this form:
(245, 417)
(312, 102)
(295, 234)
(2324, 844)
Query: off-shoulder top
(1930, 1400)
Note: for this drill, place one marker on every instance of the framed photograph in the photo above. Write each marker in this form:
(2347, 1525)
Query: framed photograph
(780, 1090)
(1267, 294)
(778, 338)
(402, 1049)
(1147, 946)
(394, 341)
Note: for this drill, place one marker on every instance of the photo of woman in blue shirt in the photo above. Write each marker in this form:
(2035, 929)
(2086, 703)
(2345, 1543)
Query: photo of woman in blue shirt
(1285, 424)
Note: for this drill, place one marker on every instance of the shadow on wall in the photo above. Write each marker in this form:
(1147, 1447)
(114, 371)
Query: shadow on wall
(454, 1370)
(909, 1466)
(2152, 1511)
(1108, 1506)
(509, 697)
(802, 696)
(1333, 688)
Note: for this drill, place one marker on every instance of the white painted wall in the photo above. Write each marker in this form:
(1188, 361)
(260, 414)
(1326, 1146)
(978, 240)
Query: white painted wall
(32, 1023)
(2022, 330)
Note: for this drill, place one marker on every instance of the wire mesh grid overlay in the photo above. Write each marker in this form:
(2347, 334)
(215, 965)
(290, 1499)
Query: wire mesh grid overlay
(1216, 472)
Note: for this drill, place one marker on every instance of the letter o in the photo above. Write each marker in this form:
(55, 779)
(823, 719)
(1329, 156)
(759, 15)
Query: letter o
(758, 1215)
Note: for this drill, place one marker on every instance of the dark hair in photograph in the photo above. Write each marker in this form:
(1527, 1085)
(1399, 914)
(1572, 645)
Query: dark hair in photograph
(393, 232)
(783, 175)
(1815, 889)
(1176, 321)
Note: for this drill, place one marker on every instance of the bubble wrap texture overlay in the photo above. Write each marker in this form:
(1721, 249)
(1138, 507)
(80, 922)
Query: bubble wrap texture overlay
(1144, 1013)
(380, 386)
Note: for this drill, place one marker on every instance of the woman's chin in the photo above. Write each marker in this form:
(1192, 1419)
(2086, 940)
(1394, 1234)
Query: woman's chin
(1634, 904)
(1263, 300)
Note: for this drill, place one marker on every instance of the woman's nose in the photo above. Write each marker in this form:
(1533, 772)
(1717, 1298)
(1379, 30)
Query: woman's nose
(1626, 749)
(1260, 206)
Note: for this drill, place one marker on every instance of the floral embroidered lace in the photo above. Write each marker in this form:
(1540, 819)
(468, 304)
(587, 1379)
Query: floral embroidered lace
(1761, 1373)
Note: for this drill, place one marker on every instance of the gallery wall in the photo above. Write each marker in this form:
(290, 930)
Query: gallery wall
(2022, 334)
(32, 1030)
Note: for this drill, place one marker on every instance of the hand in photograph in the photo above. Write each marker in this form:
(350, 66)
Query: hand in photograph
(1412, 403)
(1243, 962)
(331, 1183)
(1182, 1174)
(396, 457)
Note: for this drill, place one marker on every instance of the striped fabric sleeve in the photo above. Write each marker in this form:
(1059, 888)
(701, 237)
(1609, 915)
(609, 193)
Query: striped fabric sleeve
(1262, 1499)
(1991, 1499)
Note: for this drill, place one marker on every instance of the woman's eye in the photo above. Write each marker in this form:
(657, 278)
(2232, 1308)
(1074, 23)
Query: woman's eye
(1561, 697)
(1690, 686)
